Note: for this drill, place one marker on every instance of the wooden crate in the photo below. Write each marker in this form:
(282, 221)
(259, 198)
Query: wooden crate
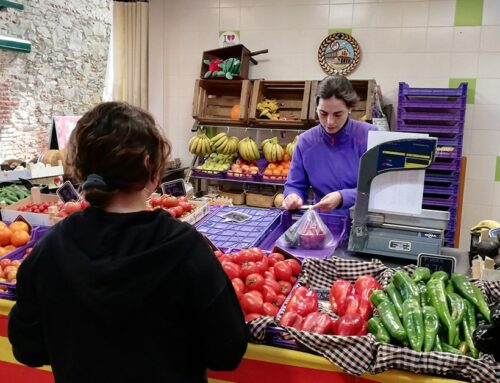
(239, 52)
(213, 100)
(293, 98)
(260, 200)
(364, 89)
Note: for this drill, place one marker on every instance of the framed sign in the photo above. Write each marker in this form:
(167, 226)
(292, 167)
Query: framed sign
(437, 262)
(339, 54)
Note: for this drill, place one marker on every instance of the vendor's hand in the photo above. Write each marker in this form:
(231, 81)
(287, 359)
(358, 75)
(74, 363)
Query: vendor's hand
(292, 202)
(329, 201)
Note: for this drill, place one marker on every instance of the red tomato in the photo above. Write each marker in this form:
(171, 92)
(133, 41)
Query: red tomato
(251, 303)
(269, 309)
(269, 294)
(269, 274)
(172, 212)
(246, 255)
(238, 288)
(69, 207)
(272, 284)
(252, 316)
(285, 287)
(257, 293)
(248, 268)
(275, 257)
(179, 210)
(168, 201)
(293, 280)
(232, 269)
(256, 253)
(183, 199)
(218, 253)
(280, 298)
(186, 206)
(283, 270)
(295, 265)
(238, 258)
(262, 265)
(254, 281)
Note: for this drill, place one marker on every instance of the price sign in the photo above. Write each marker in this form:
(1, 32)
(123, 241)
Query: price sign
(176, 188)
(67, 192)
(437, 262)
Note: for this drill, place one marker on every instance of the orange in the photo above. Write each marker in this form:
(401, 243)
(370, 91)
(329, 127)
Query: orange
(276, 172)
(9, 248)
(2, 251)
(5, 235)
(235, 112)
(268, 172)
(3, 225)
(19, 238)
(271, 166)
(19, 225)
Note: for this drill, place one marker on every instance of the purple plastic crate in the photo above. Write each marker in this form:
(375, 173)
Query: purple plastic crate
(446, 164)
(261, 164)
(450, 152)
(461, 91)
(450, 139)
(17, 254)
(447, 128)
(336, 223)
(451, 190)
(233, 235)
(431, 203)
(431, 103)
(428, 116)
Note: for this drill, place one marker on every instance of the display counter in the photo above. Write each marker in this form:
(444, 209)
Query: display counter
(262, 364)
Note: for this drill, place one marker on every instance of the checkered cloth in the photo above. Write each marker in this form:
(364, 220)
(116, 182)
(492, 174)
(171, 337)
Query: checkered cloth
(359, 354)
(257, 328)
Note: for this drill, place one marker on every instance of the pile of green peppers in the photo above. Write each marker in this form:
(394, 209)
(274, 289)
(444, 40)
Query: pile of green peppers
(429, 312)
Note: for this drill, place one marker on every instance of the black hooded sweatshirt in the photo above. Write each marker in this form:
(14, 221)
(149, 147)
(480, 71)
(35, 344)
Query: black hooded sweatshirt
(135, 297)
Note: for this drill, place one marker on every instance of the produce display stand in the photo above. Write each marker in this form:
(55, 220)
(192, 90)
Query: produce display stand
(262, 364)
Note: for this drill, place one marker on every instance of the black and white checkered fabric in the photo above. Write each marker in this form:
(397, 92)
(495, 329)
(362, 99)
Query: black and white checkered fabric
(257, 328)
(359, 354)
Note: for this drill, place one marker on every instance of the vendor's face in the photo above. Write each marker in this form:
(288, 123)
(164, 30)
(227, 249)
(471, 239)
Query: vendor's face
(332, 113)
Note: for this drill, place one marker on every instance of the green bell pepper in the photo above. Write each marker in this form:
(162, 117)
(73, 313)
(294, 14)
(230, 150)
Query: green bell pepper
(421, 274)
(376, 327)
(405, 285)
(391, 321)
(442, 275)
(437, 298)
(431, 325)
(395, 297)
(413, 323)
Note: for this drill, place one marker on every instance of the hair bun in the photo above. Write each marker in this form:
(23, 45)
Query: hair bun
(94, 181)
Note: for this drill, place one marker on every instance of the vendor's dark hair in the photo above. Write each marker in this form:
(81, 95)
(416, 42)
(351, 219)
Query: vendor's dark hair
(338, 86)
(108, 148)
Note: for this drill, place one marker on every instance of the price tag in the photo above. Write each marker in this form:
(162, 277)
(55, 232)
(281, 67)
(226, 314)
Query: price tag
(235, 216)
(67, 192)
(437, 262)
(176, 188)
(22, 219)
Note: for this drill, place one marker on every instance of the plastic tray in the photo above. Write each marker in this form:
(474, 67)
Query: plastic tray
(274, 179)
(431, 102)
(261, 164)
(451, 129)
(336, 223)
(437, 188)
(429, 116)
(17, 254)
(451, 202)
(233, 235)
(461, 91)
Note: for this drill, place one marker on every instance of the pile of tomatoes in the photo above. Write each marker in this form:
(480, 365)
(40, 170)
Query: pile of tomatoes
(260, 281)
(177, 207)
(63, 209)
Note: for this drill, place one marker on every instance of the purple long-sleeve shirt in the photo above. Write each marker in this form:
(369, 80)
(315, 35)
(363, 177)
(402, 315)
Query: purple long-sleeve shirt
(328, 163)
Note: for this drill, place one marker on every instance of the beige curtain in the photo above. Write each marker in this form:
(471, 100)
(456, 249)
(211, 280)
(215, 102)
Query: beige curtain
(130, 53)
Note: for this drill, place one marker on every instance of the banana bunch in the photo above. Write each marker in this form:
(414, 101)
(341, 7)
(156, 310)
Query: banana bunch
(200, 145)
(291, 146)
(486, 224)
(219, 142)
(268, 109)
(273, 151)
(248, 149)
(231, 146)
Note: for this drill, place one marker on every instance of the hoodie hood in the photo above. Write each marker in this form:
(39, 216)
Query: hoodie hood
(113, 261)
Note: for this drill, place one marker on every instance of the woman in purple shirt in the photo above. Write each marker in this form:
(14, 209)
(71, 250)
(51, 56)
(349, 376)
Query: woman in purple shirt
(326, 157)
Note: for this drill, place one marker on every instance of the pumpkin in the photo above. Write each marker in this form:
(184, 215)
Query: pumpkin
(52, 157)
(235, 112)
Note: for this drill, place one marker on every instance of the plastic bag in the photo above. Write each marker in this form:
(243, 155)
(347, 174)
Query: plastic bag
(309, 232)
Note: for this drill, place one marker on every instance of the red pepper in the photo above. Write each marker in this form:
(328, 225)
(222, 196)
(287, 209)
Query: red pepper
(364, 329)
(349, 324)
(303, 301)
(351, 305)
(365, 308)
(214, 65)
(365, 285)
(292, 319)
(318, 322)
(339, 291)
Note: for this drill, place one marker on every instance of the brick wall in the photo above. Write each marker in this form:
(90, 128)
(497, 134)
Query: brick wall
(62, 75)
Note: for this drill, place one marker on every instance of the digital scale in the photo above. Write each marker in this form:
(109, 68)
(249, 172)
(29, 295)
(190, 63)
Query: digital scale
(391, 234)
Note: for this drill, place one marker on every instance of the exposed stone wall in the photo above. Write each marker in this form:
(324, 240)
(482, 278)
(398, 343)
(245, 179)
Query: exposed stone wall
(62, 75)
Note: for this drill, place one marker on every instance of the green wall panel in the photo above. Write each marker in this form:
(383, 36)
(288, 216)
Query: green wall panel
(471, 88)
(497, 170)
(340, 30)
(469, 13)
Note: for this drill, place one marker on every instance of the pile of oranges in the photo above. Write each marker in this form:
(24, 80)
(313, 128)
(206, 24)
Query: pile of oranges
(277, 170)
(13, 236)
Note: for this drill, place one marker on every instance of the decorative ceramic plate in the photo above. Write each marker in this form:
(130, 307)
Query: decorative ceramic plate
(339, 54)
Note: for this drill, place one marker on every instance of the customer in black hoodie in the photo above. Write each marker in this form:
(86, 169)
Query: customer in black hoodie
(117, 293)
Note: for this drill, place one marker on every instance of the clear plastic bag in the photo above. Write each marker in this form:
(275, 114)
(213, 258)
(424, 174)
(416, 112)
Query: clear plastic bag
(309, 232)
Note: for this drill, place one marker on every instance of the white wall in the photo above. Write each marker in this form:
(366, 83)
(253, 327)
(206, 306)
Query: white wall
(405, 40)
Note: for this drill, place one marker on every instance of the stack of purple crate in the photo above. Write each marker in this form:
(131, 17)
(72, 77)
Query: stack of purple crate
(440, 112)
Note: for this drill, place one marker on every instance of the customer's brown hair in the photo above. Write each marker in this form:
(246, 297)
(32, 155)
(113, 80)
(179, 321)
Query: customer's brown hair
(338, 86)
(111, 142)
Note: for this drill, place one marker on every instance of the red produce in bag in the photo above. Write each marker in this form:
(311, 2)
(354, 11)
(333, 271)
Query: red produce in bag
(309, 232)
